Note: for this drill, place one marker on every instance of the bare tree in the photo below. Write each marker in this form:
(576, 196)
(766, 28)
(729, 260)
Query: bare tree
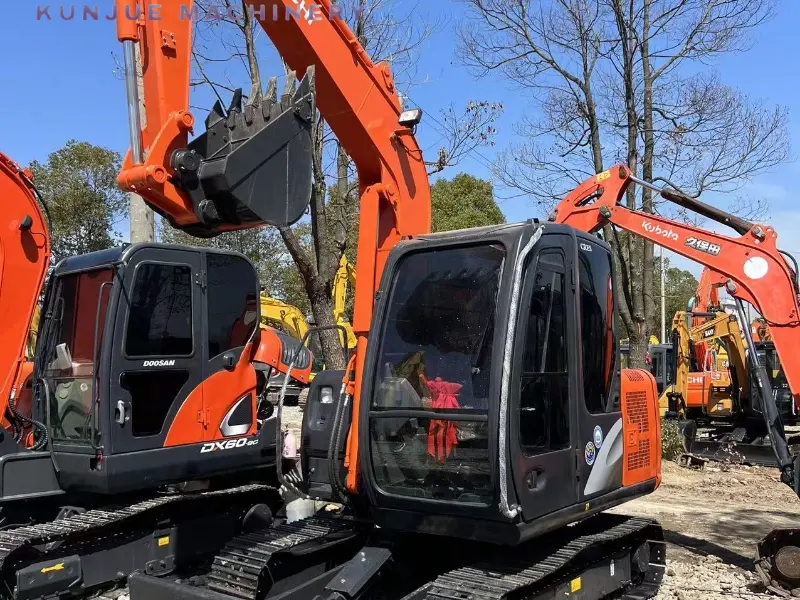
(610, 81)
(231, 41)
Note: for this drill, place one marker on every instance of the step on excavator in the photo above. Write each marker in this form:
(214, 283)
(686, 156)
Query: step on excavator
(752, 270)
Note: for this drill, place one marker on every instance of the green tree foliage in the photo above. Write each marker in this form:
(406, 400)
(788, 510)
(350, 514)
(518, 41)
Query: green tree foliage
(79, 184)
(679, 287)
(462, 202)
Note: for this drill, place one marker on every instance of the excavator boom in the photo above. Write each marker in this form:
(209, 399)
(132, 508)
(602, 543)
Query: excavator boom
(24, 258)
(751, 267)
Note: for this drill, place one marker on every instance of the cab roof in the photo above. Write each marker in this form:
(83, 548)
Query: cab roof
(121, 254)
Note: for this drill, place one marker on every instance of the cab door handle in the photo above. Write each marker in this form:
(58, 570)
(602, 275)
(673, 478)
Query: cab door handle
(121, 415)
(534, 479)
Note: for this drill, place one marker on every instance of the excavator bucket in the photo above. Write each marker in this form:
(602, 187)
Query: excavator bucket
(253, 163)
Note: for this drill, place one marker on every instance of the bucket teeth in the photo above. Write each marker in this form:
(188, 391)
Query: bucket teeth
(216, 115)
(236, 101)
(255, 159)
(272, 89)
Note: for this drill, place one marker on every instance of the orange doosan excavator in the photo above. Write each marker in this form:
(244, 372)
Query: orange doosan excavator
(486, 412)
(480, 431)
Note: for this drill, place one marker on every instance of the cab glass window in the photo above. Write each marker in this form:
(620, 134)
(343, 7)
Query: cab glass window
(598, 332)
(160, 319)
(544, 382)
(232, 295)
(435, 360)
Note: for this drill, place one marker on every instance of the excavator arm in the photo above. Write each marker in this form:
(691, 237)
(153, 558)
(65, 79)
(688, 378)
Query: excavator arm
(283, 316)
(205, 187)
(345, 274)
(750, 266)
(706, 299)
(706, 296)
(24, 259)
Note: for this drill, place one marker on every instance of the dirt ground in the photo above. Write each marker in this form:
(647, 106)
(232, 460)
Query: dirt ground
(712, 520)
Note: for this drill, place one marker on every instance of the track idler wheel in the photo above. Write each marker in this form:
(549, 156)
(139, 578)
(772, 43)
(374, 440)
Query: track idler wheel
(778, 561)
(258, 517)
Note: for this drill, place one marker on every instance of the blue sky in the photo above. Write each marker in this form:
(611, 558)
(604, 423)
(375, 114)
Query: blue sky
(58, 83)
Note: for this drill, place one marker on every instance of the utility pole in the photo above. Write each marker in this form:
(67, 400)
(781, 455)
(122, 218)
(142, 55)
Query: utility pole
(663, 339)
(140, 217)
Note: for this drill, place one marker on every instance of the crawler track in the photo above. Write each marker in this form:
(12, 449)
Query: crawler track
(528, 574)
(99, 547)
(240, 569)
(605, 556)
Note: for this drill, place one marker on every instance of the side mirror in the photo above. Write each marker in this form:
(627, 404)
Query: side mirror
(63, 360)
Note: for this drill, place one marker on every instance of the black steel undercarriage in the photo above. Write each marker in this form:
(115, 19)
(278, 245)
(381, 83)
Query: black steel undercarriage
(335, 558)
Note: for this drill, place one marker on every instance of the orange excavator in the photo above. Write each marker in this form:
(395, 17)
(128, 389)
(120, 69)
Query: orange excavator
(25, 259)
(752, 269)
(486, 412)
(474, 423)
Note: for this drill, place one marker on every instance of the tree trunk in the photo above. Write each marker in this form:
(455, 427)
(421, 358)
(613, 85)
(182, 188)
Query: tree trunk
(638, 351)
(635, 246)
(141, 219)
(647, 164)
(322, 309)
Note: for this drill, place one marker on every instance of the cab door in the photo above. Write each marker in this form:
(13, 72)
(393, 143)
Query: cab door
(599, 427)
(157, 357)
(542, 411)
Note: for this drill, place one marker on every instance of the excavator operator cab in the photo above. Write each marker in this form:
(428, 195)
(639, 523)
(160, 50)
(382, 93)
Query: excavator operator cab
(144, 370)
(491, 396)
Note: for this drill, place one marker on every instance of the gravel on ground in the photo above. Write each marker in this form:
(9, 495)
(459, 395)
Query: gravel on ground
(712, 520)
